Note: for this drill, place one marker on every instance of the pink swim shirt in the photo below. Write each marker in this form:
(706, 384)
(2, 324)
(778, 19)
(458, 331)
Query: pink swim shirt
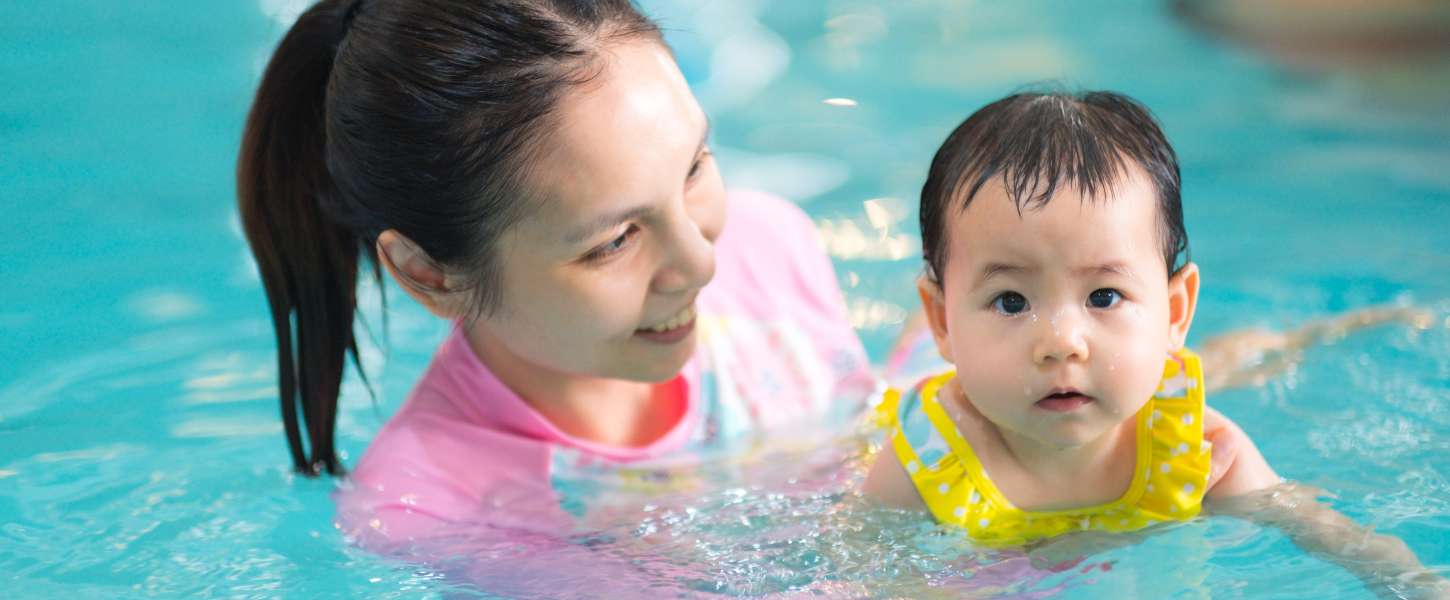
(775, 346)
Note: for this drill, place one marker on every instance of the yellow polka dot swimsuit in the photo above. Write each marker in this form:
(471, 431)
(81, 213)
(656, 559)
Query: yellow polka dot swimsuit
(1168, 482)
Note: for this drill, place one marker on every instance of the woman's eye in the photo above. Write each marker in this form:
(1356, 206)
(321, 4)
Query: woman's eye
(698, 164)
(612, 246)
(1104, 298)
(1010, 303)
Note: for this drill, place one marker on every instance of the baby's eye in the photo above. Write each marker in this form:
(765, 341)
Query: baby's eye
(1104, 298)
(1010, 303)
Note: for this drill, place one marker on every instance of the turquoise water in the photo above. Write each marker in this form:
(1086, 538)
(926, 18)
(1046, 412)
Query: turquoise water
(140, 450)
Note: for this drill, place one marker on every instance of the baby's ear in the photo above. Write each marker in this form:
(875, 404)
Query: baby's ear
(1182, 300)
(933, 303)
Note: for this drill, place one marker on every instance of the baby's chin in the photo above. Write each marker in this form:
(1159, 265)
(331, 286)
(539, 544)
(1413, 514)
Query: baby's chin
(1084, 430)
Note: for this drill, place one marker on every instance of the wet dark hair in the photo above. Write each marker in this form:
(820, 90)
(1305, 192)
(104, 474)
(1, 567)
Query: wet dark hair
(415, 115)
(1037, 141)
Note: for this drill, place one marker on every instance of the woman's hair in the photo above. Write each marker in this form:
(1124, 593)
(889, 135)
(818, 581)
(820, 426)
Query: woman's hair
(421, 116)
(1036, 141)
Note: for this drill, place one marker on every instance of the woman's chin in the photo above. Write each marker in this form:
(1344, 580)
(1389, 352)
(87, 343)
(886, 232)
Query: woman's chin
(658, 363)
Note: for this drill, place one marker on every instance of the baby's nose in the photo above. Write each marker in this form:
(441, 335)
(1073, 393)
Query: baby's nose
(1060, 337)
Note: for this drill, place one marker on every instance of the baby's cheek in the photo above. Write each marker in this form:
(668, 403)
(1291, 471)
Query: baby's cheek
(1133, 365)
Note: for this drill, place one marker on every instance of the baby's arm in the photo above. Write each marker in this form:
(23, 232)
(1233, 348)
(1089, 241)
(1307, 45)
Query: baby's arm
(1242, 484)
(888, 483)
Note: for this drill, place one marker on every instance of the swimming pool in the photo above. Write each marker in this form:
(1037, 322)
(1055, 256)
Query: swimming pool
(140, 449)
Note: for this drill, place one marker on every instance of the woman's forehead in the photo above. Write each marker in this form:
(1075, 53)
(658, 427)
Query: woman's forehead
(624, 139)
(627, 132)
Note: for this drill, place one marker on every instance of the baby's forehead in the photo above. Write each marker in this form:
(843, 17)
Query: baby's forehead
(1122, 220)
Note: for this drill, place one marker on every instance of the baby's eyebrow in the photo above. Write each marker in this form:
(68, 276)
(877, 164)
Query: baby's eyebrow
(1109, 268)
(994, 269)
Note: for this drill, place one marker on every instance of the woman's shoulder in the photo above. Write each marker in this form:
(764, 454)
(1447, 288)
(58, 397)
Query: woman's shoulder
(770, 245)
(764, 207)
(761, 223)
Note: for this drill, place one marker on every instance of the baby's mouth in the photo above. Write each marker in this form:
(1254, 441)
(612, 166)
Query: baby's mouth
(1063, 401)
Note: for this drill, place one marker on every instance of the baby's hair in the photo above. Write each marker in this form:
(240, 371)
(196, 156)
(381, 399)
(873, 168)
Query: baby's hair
(1037, 141)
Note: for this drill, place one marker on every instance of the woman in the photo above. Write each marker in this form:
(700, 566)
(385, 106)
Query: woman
(538, 172)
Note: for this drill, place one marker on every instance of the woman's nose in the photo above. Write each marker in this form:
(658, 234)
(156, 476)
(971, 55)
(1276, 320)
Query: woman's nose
(1061, 337)
(689, 260)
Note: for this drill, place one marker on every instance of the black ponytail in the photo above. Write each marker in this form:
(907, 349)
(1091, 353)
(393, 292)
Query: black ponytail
(412, 115)
(308, 263)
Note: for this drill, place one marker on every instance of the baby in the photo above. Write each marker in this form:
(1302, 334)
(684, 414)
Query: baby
(1058, 286)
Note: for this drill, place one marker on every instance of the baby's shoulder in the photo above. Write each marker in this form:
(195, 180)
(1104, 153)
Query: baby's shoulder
(1237, 466)
(937, 413)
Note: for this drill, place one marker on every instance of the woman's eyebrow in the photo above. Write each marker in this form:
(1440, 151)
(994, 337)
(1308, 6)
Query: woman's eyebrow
(611, 219)
(606, 222)
(704, 137)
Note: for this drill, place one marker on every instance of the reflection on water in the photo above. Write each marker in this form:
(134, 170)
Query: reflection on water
(138, 446)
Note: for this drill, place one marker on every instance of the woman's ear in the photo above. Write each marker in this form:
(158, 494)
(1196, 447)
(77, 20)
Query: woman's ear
(933, 303)
(1182, 300)
(416, 273)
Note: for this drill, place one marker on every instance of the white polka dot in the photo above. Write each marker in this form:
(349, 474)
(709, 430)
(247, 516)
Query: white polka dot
(1123, 522)
(1181, 449)
(943, 488)
(1150, 487)
(1084, 523)
(1148, 473)
(974, 497)
(912, 467)
(1173, 508)
(1188, 488)
(960, 512)
(1157, 414)
(1188, 419)
(984, 522)
(1204, 446)
(1162, 467)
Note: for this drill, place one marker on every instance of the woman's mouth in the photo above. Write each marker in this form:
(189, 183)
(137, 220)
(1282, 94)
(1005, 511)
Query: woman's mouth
(1063, 401)
(671, 330)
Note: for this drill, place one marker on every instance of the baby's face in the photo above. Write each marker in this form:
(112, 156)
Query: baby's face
(1059, 319)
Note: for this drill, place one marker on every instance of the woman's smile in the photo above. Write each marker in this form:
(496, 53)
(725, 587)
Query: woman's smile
(672, 330)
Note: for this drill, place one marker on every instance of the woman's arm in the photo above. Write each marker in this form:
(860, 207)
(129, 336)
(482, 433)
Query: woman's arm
(1248, 488)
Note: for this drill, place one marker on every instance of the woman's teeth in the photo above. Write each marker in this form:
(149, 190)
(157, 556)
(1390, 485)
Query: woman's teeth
(680, 318)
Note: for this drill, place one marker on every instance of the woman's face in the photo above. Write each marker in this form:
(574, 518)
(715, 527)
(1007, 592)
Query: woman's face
(600, 279)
